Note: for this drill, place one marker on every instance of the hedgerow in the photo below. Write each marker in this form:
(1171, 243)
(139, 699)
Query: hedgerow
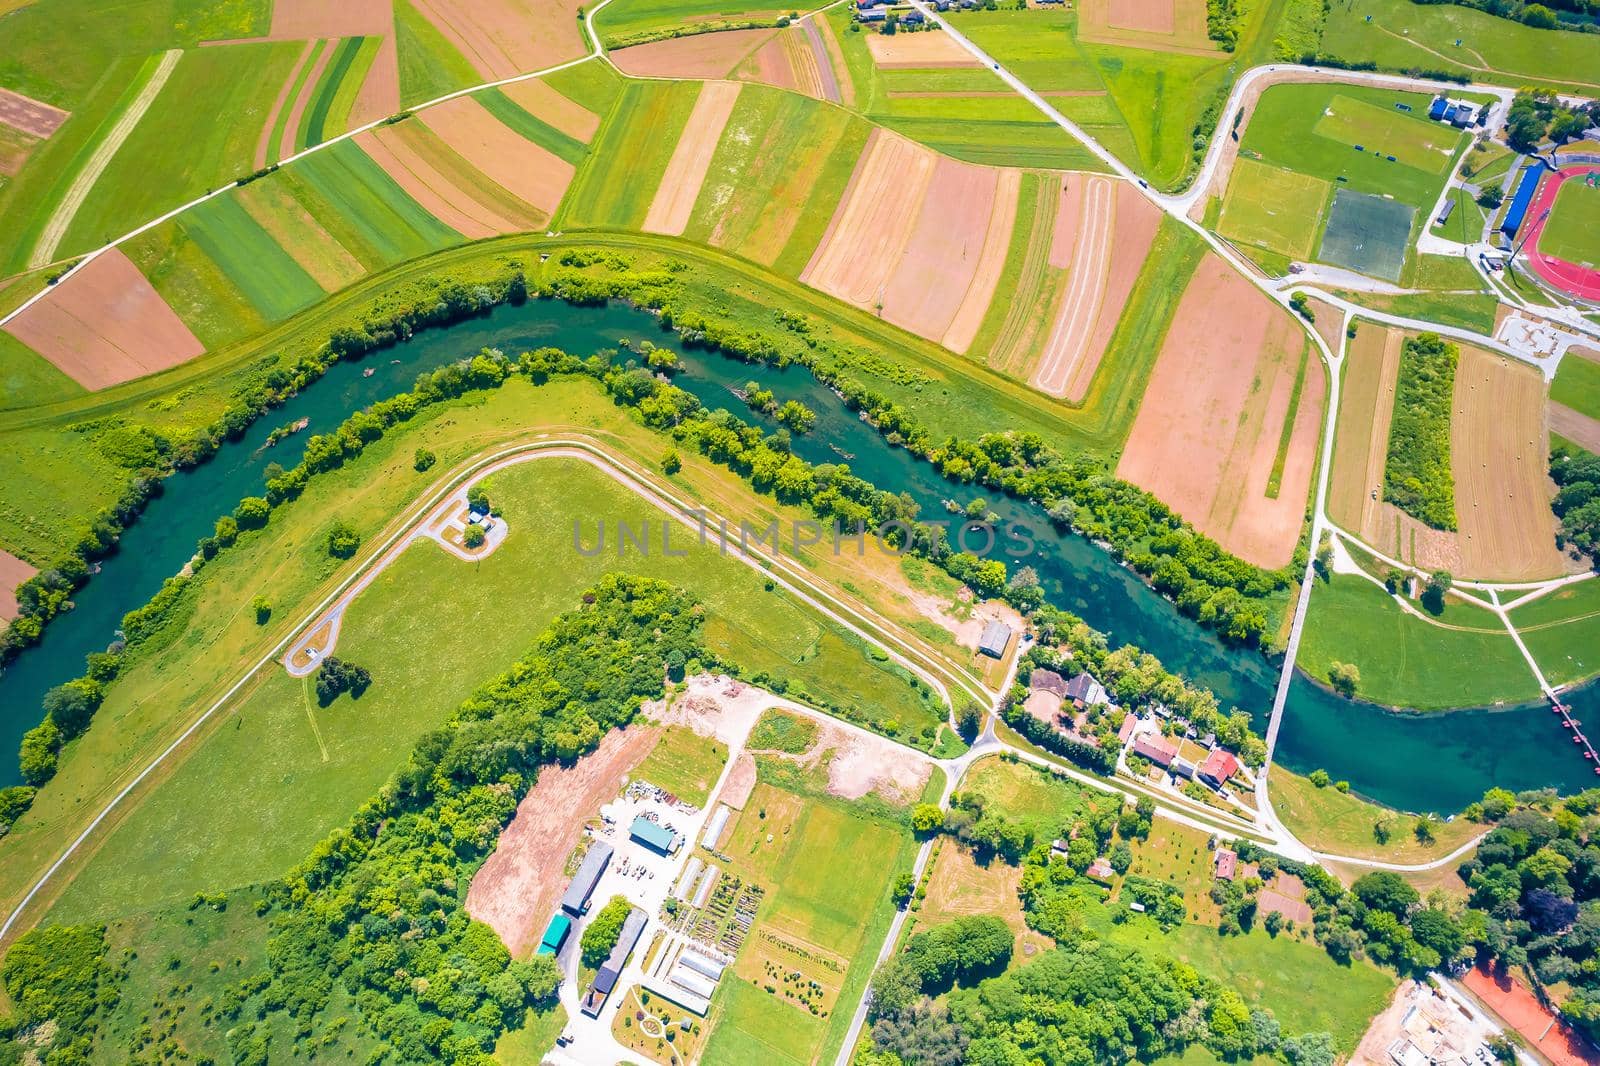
(1416, 475)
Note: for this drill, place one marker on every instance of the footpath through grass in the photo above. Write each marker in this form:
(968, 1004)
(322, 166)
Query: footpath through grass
(1562, 632)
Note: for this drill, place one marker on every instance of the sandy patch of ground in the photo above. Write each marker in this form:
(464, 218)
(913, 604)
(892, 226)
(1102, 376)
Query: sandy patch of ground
(538, 98)
(1575, 426)
(1043, 706)
(13, 572)
(967, 630)
(501, 38)
(700, 55)
(405, 157)
(518, 888)
(527, 171)
(875, 219)
(106, 324)
(1207, 433)
(740, 783)
(968, 318)
(917, 51)
(941, 256)
(29, 115)
(1101, 277)
(715, 706)
(686, 171)
(1498, 446)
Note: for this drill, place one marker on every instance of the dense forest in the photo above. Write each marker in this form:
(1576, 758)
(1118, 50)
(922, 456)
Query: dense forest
(373, 918)
(1416, 476)
(1577, 503)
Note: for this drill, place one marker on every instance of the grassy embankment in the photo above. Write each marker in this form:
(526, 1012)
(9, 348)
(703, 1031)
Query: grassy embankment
(1342, 823)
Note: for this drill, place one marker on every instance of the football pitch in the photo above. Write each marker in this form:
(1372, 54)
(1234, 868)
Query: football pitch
(1367, 234)
(1573, 230)
(1275, 208)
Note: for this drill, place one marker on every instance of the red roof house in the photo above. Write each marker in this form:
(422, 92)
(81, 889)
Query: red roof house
(1227, 864)
(1130, 721)
(1218, 767)
(1158, 749)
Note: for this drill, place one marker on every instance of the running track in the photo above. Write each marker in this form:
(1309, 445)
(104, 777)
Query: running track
(1582, 282)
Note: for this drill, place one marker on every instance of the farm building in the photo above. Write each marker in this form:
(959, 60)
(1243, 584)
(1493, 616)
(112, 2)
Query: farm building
(1158, 749)
(703, 893)
(1130, 722)
(1085, 691)
(690, 981)
(691, 873)
(555, 934)
(654, 835)
(702, 965)
(1526, 186)
(605, 979)
(1227, 864)
(1182, 768)
(1218, 767)
(576, 900)
(1099, 870)
(714, 827)
(996, 635)
(875, 15)
(1444, 212)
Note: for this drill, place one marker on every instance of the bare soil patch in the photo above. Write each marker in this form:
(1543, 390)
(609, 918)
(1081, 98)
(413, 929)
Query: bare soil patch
(517, 889)
(106, 324)
(917, 51)
(29, 115)
(860, 763)
(1206, 436)
(686, 171)
(740, 783)
(531, 173)
(700, 55)
(1498, 447)
(874, 220)
(13, 572)
(968, 319)
(1177, 26)
(941, 256)
(405, 157)
(538, 98)
(1101, 277)
(716, 706)
(501, 38)
(1146, 16)
(294, 20)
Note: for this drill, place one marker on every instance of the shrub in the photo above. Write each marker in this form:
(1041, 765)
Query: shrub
(343, 540)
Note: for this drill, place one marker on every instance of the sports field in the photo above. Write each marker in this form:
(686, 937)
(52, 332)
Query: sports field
(1572, 231)
(1367, 234)
(1272, 207)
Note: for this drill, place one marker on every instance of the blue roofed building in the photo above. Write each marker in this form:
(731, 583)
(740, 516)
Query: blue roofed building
(1526, 186)
(654, 835)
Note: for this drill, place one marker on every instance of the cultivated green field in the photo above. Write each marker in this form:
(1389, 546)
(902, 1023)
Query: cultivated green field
(1403, 34)
(1573, 229)
(194, 285)
(281, 123)
(319, 123)
(630, 153)
(1577, 384)
(684, 763)
(624, 22)
(283, 772)
(1406, 661)
(28, 378)
(532, 127)
(1562, 631)
(1272, 207)
(364, 208)
(430, 66)
(269, 278)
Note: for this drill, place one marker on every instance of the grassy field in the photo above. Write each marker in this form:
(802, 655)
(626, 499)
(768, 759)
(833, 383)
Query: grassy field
(281, 123)
(790, 844)
(1343, 823)
(1474, 312)
(430, 66)
(532, 127)
(215, 309)
(1402, 34)
(1045, 802)
(1406, 661)
(685, 763)
(364, 208)
(1577, 385)
(315, 126)
(1573, 230)
(180, 149)
(1466, 220)
(625, 22)
(1271, 207)
(296, 751)
(1562, 631)
(630, 153)
(28, 378)
(268, 276)
(595, 84)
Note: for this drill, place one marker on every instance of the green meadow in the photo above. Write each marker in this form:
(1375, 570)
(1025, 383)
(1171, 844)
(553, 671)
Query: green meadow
(269, 278)
(1577, 384)
(430, 66)
(1406, 661)
(1562, 632)
(1271, 207)
(615, 185)
(364, 208)
(624, 22)
(28, 378)
(194, 285)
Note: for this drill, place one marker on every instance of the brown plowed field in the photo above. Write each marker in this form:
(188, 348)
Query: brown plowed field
(407, 154)
(917, 51)
(294, 20)
(527, 171)
(105, 324)
(538, 98)
(503, 38)
(520, 885)
(874, 220)
(13, 572)
(1162, 25)
(1206, 436)
(1575, 426)
(991, 263)
(700, 55)
(1498, 444)
(379, 95)
(1113, 238)
(29, 115)
(787, 62)
(686, 171)
(931, 277)
(1146, 16)
(841, 71)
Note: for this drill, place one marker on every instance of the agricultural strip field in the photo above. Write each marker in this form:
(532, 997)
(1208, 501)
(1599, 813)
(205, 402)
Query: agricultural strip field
(615, 185)
(179, 150)
(810, 919)
(686, 170)
(1402, 35)
(541, 100)
(1207, 435)
(627, 22)
(532, 174)
(429, 66)
(1562, 631)
(340, 755)
(106, 324)
(444, 184)
(698, 56)
(503, 38)
(1273, 208)
(1573, 230)
(277, 211)
(1410, 662)
(268, 276)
